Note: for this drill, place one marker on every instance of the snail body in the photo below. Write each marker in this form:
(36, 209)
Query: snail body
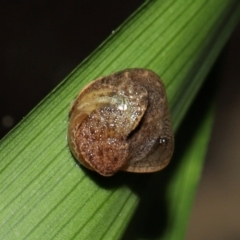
(122, 122)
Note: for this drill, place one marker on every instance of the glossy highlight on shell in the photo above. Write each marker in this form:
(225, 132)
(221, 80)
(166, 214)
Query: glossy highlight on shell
(122, 122)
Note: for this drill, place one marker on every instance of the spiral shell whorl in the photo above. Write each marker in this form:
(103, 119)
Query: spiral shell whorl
(122, 122)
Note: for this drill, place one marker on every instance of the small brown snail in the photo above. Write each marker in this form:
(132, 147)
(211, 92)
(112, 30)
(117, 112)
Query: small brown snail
(122, 122)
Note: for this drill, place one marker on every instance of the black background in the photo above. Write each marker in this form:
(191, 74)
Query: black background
(43, 41)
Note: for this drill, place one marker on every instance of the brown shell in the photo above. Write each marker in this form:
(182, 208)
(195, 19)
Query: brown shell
(122, 122)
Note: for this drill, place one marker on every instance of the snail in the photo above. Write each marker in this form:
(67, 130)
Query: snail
(122, 122)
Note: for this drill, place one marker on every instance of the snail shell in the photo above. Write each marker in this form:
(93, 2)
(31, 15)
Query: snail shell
(122, 122)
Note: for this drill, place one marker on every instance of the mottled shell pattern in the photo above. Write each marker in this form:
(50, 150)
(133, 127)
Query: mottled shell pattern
(122, 122)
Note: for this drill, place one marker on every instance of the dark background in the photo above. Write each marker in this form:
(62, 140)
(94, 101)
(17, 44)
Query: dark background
(42, 41)
(216, 210)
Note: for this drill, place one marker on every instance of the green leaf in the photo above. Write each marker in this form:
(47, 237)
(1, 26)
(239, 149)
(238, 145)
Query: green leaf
(46, 195)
